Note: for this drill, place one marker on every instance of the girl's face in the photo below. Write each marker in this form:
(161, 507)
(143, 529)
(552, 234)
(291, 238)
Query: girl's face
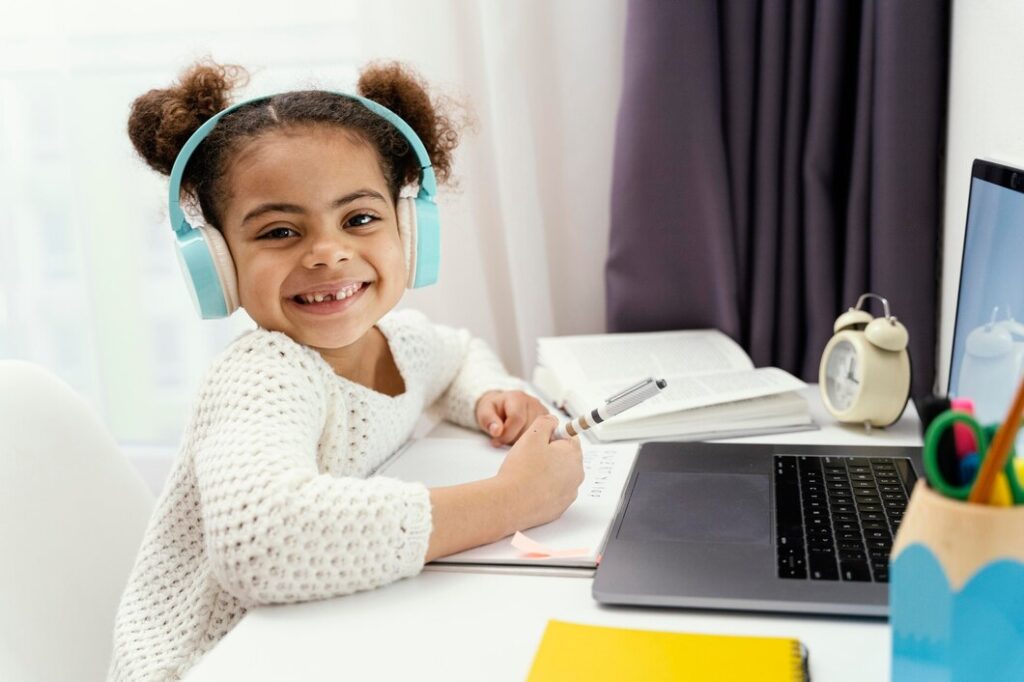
(314, 236)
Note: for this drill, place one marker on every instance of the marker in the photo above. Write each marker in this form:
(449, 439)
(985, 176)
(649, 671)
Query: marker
(617, 404)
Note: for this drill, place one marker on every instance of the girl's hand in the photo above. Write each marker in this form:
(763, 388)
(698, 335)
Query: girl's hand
(505, 415)
(544, 475)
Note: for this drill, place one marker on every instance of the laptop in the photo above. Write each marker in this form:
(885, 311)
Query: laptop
(808, 528)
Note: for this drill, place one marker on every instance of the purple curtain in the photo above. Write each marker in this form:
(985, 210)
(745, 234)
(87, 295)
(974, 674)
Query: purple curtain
(773, 161)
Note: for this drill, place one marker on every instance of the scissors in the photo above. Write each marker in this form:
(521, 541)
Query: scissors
(982, 436)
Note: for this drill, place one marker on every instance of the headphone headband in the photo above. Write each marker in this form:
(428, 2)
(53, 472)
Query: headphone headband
(428, 183)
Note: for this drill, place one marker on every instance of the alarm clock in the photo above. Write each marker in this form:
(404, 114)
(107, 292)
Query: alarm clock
(864, 374)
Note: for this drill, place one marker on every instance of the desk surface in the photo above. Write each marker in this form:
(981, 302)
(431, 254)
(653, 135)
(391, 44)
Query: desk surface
(467, 625)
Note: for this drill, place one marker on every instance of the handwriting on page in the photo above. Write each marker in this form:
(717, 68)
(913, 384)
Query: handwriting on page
(599, 466)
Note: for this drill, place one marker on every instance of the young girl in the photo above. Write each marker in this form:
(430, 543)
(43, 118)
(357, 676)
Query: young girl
(269, 500)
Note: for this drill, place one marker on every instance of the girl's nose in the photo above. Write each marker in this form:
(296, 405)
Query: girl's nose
(327, 249)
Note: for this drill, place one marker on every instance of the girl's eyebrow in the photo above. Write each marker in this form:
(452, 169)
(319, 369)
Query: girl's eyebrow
(272, 207)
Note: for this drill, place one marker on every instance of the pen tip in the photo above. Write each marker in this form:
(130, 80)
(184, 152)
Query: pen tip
(662, 383)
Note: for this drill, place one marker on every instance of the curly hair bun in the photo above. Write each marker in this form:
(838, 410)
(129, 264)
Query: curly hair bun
(161, 121)
(401, 90)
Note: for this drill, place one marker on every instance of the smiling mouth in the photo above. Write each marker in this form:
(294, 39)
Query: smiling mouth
(327, 297)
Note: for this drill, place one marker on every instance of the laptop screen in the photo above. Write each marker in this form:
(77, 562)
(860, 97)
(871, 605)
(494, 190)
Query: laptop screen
(988, 336)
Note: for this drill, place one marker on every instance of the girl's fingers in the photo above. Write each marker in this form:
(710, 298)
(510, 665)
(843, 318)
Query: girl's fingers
(490, 416)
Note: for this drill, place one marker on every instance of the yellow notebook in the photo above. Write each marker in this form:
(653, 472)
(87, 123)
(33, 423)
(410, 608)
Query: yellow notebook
(570, 651)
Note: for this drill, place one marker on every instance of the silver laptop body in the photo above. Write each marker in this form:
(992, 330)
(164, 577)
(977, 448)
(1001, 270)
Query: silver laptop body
(699, 526)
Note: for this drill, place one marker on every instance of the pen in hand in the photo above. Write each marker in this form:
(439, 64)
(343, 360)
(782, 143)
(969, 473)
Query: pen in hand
(617, 404)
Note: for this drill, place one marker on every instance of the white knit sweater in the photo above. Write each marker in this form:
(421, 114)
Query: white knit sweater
(269, 500)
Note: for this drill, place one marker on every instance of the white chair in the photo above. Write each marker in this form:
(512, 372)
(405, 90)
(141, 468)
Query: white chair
(72, 514)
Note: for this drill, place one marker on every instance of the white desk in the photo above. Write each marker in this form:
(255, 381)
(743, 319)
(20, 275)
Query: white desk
(446, 625)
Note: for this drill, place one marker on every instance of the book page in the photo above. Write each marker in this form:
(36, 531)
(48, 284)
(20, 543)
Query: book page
(439, 462)
(688, 392)
(611, 357)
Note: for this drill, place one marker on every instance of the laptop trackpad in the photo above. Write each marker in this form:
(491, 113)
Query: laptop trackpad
(698, 507)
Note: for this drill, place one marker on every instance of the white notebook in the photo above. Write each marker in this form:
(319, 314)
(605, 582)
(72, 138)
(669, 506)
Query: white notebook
(449, 461)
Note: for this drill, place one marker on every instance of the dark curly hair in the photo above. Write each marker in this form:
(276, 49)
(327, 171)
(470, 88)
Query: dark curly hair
(162, 120)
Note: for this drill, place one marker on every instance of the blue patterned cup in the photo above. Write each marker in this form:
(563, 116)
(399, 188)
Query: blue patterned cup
(957, 591)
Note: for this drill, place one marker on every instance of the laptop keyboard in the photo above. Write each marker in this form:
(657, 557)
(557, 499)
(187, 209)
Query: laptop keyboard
(836, 516)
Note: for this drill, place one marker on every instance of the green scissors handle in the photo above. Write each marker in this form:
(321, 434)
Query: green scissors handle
(983, 437)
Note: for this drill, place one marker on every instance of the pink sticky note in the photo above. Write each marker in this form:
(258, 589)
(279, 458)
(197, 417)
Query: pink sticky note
(534, 550)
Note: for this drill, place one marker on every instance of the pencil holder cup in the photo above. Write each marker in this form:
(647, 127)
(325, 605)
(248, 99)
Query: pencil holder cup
(956, 596)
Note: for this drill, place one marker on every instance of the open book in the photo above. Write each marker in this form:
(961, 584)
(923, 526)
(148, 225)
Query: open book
(714, 390)
(582, 528)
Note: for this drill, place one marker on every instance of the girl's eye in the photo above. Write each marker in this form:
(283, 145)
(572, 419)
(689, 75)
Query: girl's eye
(360, 220)
(278, 233)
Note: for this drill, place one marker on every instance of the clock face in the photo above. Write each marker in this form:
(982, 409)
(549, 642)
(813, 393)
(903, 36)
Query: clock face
(842, 376)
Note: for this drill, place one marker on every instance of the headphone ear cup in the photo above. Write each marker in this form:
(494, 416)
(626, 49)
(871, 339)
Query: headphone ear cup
(428, 242)
(209, 271)
(406, 211)
(224, 265)
(887, 333)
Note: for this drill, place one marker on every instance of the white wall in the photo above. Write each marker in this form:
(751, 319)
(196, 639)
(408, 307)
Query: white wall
(986, 121)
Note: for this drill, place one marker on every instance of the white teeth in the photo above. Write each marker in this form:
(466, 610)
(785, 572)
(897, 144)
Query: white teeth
(347, 291)
(339, 295)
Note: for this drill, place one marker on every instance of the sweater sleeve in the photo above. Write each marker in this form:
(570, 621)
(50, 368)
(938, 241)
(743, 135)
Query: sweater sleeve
(275, 529)
(477, 370)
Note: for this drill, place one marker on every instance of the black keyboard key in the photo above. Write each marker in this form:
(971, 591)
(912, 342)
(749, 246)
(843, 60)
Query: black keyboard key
(855, 571)
(814, 503)
(860, 493)
(820, 544)
(816, 523)
(822, 567)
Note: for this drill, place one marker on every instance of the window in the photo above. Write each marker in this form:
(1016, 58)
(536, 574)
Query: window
(89, 284)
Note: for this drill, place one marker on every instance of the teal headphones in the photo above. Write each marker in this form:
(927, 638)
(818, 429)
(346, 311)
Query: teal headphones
(206, 261)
